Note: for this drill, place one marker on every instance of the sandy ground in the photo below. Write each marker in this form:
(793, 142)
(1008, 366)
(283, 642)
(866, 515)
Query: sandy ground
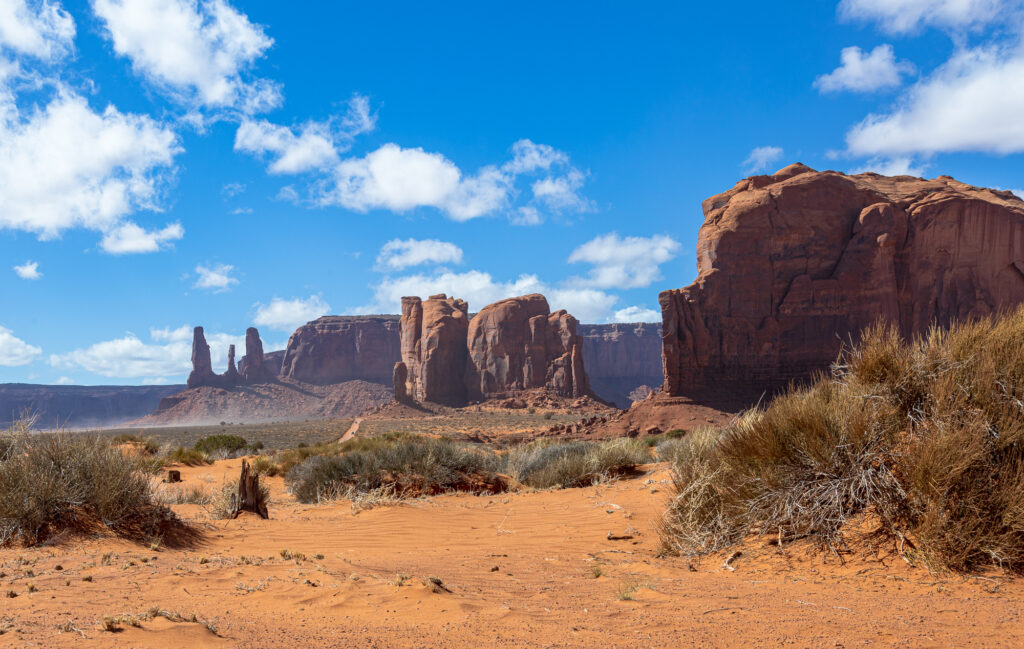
(515, 570)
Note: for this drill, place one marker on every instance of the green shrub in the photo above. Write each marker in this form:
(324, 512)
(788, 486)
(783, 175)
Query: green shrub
(187, 457)
(927, 435)
(225, 446)
(148, 444)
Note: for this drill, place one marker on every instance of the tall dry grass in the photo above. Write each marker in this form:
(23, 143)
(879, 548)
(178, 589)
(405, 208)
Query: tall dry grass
(926, 435)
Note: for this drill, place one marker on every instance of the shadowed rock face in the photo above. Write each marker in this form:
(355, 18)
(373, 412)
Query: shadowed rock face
(343, 348)
(621, 358)
(255, 368)
(518, 344)
(202, 368)
(433, 340)
(790, 265)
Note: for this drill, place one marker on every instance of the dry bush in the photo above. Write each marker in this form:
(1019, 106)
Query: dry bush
(55, 481)
(413, 465)
(927, 435)
(545, 464)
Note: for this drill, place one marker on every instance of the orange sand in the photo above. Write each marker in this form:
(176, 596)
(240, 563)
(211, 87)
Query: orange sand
(520, 569)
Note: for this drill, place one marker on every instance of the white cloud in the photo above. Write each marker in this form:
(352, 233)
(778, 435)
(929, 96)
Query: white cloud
(66, 166)
(14, 351)
(64, 380)
(198, 51)
(637, 314)
(861, 72)
(398, 254)
(624, 262)
(128, 238)
(761, 158)
(526, 215)
(169, 355)
(901, 16)
(312, 148)
(973, 102)
(216, 278)
(399, 179)
(287, 315)
(897, 166)
(41, 29)
(562, 192)
(1019, 193)
(233, 189)
(479, 289)
(28, 270)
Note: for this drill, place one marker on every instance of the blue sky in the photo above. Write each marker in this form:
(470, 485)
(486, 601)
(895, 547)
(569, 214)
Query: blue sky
(171, 163)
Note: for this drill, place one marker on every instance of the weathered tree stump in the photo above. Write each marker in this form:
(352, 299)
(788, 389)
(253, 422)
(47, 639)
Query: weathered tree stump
(173, 475)
(249, 498)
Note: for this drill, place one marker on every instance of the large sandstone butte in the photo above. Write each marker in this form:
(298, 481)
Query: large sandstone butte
(202, 374)
(434, 354)
(332, 349)
(621, 358)
(518, 344)
(793, 264)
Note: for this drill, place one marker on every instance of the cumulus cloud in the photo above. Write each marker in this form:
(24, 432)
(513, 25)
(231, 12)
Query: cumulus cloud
(761, 158)
(398, 253)
(973, 102)
(67, 166)
(637, 314)
(902, 16)
(897, 166)
(216, 277)
(398, 179)
(129, 238)
(41, 29)
(479, 289)
(167, 355)
(624, 262)
(313, 145)
(28, 270)
(526, 215)
(15, 352)
(860, 72)
(287, 315)
(198, 51)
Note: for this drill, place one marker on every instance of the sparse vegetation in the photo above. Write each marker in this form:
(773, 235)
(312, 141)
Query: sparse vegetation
(925, 436)
(414, 465)
(545, 464)
(225, 446)
(55, 481)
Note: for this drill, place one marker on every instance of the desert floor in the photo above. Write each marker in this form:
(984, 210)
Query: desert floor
(516, 570)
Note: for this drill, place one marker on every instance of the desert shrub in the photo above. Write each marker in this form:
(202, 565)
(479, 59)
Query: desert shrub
(545, 464)
(223, 503)
(263, 465)
(413, 465)
(50, 482)
(186, 456)
(287, 460)
(225, 446)
(926, 435)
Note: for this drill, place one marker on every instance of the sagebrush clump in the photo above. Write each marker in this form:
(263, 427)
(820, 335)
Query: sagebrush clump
(55, 481)
(926, 436)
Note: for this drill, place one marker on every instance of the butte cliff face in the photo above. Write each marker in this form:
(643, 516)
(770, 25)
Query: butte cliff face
(434, 354)
(620, 358)
(518, 344)
(791, 265)
(343, 348)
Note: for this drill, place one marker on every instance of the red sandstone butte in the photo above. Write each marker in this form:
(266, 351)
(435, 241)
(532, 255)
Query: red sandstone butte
(793, 264)
(433, 334)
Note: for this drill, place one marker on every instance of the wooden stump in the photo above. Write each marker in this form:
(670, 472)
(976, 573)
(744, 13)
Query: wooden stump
(173, 475)
(249, 498)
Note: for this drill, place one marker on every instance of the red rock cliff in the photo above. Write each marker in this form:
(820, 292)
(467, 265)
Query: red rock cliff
(433, 335)
(342, 348)
(517, 344)
(790, 265)
(621, 358)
